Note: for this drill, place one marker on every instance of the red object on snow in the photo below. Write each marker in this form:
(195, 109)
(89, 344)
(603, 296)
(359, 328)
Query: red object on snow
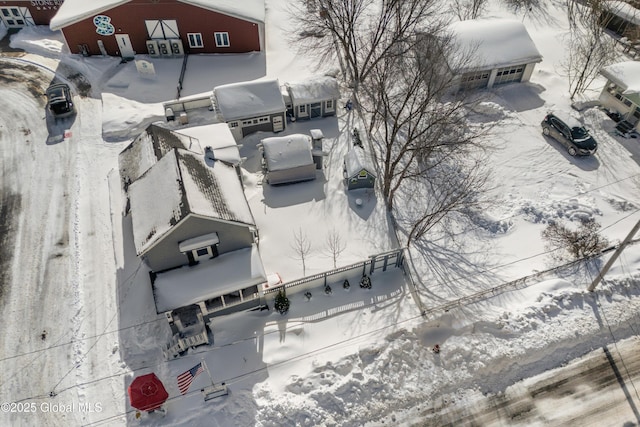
(147, 393)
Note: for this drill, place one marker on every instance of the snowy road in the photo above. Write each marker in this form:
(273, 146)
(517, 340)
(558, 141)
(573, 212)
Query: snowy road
(599, 389)
(50, 249)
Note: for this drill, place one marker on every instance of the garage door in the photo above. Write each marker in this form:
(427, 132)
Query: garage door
(509, 74)
(477, 79)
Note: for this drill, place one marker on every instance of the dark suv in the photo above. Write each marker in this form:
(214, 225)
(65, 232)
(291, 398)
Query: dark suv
(570, 133)
(60, 101)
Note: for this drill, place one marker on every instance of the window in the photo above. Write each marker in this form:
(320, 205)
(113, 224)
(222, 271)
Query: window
(302, 109)
(222, 39)
(202, 252)
(263, 119)
(329, 105)
(195, 40)
(233, 124)
(363, 174)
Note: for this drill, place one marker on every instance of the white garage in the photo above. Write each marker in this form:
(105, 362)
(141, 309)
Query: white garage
(503, 52)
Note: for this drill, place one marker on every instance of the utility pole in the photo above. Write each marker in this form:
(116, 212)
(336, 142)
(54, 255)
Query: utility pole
(615, 256)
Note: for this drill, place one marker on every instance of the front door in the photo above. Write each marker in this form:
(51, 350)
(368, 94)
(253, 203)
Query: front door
(278, 124)
(124, 44)
(315, 110)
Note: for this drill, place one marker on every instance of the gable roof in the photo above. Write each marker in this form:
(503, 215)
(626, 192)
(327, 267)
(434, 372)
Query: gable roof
(180, 184)
(287, 152)
(355, 160)
(313, 90)
(72, 11)
(494, 42)
(149, 147)
(248, 99)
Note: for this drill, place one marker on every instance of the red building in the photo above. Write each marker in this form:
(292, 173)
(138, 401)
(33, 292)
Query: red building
(161, 27)
(22, 13)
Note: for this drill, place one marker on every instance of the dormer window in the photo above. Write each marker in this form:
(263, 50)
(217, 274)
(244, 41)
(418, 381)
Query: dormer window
(201, 247)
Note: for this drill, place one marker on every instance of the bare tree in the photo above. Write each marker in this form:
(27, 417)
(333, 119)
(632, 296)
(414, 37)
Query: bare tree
(467, 9)
(302, 248)
(590, 48)
(361, 32)
(416, 121)
(335, 245)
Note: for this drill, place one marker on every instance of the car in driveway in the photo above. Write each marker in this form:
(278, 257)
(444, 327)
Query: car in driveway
(60, 101)
(571, 133)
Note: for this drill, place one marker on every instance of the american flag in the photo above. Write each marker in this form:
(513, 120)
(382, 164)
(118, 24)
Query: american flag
(185, 379)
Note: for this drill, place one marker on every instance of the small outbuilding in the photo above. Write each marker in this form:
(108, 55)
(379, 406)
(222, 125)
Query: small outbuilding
(359, 171)
(315, 97)
(621, 94)
(288, 159)
(502, 51)
(249, 107)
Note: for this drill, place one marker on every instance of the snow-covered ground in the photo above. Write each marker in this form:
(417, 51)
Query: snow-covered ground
(356, 357)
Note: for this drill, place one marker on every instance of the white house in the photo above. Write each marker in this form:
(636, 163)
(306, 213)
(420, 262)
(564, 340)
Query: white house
(249, 107)
(315, 97)
(621, 94)
(501, 52)
(288, 159)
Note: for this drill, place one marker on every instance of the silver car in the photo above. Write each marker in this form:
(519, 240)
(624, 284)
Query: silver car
(570, 133)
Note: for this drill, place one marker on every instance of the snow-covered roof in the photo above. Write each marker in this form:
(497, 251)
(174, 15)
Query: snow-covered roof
(355, 160)
(248, 99)
(149, 147)
(623, 10)
(189, 285)
(218, 136)
(313, 90)
(180, 184)
(287, 152)
(72, 11)
(624, 74)
(494, 43)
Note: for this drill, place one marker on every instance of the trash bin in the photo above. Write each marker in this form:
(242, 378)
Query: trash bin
(184, 119)
(168, 113)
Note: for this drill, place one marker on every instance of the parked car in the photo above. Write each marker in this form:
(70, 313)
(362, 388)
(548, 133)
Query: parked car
(570, 133)
(60, 100)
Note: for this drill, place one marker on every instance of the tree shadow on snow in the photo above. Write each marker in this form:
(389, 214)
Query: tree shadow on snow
(453, 268)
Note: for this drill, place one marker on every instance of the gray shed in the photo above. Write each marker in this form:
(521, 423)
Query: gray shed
(288, 159)
(358, 169)
(315, 97)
